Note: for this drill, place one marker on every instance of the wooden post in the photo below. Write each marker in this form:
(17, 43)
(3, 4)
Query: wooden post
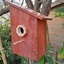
(48, 37)
(2, 52)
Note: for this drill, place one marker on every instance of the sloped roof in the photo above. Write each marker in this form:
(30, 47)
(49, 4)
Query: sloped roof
(56, 3)
(29, 11)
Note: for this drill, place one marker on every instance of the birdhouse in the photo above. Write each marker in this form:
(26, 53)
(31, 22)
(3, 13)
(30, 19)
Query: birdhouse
(28, 29)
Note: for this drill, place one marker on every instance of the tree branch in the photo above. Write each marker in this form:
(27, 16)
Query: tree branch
(4, 11)
(29, 4)
(46, 10)
(5, 4)
(37, 5)
(46, 7)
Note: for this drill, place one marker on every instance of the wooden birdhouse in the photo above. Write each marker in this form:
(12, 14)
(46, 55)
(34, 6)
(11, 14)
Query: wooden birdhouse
(28, 30)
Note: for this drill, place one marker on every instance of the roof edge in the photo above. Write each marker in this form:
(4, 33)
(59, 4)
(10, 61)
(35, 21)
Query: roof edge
(29, 11)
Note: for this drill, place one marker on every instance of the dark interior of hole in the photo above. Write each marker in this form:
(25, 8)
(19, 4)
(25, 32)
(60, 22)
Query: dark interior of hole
(21, 29)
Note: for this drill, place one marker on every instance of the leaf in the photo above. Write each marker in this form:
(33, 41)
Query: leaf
(11, 58)
(41, 61)
(60, 10)
(61, 53)
(49, 59)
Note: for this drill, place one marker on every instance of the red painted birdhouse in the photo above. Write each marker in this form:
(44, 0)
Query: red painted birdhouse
(28, 30)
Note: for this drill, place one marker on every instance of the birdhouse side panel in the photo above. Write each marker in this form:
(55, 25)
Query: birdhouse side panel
(41, 37)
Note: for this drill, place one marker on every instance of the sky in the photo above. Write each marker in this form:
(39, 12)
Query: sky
(17, 1)
(1, 2)
(53, 0)
(24, 1)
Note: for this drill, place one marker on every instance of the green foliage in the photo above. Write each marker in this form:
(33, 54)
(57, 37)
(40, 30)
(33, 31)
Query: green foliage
(49, 60)
(50, 50)
(5, 35)
(48, 56)
(59, 12)
(61, 53)
(41, 61)
(45, 59)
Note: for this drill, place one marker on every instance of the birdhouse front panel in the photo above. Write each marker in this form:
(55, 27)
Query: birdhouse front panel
(25, 45)
(28, 30)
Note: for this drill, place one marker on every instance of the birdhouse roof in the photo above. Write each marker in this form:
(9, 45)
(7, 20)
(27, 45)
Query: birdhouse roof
(29, 11)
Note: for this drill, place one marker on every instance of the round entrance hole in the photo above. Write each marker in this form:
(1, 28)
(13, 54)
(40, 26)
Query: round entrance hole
(21, 30)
